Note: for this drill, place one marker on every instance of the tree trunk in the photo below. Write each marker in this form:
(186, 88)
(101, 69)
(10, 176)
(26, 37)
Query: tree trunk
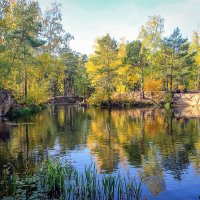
(167, 86)
(166, 77)
(55, 88)
(142, 83)
(171, 83)
(25, 77)
(171, 73)
(68, 87)
(65, 88)
(25, 82)
(198, 80)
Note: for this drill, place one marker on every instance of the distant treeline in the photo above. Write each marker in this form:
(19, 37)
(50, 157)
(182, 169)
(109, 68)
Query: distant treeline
(36, 61)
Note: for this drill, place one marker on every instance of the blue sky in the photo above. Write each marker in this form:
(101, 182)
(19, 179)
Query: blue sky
(87, 19)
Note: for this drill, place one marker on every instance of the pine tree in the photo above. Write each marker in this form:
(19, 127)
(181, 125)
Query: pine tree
(176, 49)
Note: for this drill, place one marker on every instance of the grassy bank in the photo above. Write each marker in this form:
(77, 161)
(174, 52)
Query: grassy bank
(56, 181)
(25, 110)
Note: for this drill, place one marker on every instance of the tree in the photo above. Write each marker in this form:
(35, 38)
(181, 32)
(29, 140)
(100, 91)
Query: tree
(176, 50)
(194, 49)
(25, 34)
(151, 36)
(4, 22)
(101, 68)
(81, 81)
(136, 57)
(53, 30)
(76, 79)
(151, 33)
(127, 75)
(58, 47)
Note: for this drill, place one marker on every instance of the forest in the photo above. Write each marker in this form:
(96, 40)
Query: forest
(37, 62)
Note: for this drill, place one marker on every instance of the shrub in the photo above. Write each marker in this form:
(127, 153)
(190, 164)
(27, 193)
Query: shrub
(152, 85)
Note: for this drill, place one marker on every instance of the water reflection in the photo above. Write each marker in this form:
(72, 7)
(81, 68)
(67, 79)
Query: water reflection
(158, 143)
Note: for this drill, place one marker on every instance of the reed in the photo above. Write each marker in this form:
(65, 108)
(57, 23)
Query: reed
(57, 181)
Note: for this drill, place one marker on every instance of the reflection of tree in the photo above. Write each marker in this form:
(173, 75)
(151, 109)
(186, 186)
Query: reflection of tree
(175, 155)
(127, 138)
(133, 154)
(113, 136)
(72, 126)
(196, 162)
(177, 163)
(132, 132)
(29, 143)
(4, 131)
(102, 140)
(152, 173)
(154, 124)
(193, 146)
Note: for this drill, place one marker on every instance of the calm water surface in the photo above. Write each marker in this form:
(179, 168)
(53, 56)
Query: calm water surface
(160, 147)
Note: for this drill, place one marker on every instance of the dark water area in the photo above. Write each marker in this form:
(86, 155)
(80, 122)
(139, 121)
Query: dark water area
(160, 147)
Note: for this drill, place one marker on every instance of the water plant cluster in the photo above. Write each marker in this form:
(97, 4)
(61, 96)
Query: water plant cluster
(57, 181)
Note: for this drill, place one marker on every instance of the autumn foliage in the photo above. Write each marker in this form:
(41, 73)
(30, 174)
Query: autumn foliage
(153, 85)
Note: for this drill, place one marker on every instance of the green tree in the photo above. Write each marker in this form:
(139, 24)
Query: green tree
(102, 66)
(151, 36)
(176, 49)
(151, 33)
(57, 40)
(25, 37)
(4, 61)
(75, 80)
(136, 57)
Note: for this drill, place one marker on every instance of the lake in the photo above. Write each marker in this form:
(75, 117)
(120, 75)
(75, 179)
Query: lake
(160, 147)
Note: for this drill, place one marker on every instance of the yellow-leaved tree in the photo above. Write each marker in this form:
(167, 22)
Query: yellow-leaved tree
(151, 84)
(127, 75)
(101, 67)
(155, 87)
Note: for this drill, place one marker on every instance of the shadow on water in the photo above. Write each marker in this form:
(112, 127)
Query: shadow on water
(161, 147)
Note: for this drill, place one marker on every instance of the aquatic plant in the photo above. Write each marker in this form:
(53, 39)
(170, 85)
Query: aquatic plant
(57, 181)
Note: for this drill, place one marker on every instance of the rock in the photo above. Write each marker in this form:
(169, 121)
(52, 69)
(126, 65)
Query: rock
(6, 101)
(186, 99)
(66, 100)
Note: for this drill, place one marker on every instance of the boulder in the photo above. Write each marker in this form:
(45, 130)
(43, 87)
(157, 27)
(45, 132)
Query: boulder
(6, 101)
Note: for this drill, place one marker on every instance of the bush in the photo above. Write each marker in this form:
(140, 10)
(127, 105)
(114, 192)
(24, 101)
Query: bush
(167, 106)
(152, 85)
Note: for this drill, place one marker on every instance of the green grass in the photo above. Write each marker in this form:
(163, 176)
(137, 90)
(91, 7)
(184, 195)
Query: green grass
(24, 111)
(57, 181)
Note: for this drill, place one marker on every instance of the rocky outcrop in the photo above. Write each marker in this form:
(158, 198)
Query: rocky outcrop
(66, 100)
(187, 111)
(6, 102)
(179, 99)
(136, 97)
(186, 99)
